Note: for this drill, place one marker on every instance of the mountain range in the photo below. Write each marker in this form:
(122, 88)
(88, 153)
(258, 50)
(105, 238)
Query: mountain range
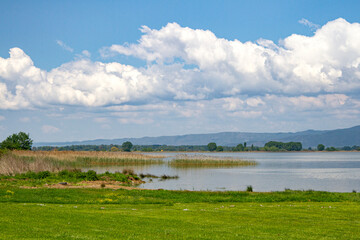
(309, 138)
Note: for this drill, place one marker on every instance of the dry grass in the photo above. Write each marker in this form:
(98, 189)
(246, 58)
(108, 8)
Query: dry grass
(183, 160)
(74, 155)
(23, 161)
(11, 164)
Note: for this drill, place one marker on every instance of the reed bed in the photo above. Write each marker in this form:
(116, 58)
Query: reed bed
(23, 161)
(11, 164)
(183, 160)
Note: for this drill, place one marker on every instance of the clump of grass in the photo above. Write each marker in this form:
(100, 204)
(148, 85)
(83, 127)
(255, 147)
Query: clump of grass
(128, 171)
(208, 161)
(249, 188)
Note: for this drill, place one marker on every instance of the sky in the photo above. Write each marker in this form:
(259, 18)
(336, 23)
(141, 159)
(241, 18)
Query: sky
(80, 70)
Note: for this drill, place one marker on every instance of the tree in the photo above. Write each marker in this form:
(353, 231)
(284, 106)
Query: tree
(289, 146)
(320, 147)
(239, 148)
(126, 146)
(20, 141)
(114, 149)
(212, 146)
(219, 149)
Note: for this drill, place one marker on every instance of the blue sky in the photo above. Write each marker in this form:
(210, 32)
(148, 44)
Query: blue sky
(109, 69)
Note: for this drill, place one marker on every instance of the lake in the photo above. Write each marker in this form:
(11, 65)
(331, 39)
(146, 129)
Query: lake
(325, 171)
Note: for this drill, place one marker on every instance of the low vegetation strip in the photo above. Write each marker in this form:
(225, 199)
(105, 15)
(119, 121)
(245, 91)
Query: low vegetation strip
(66, 178)
(166, 197)
(183, 160)
(158, 214)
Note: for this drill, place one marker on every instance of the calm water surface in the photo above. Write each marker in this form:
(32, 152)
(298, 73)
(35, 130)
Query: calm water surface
(336, 171)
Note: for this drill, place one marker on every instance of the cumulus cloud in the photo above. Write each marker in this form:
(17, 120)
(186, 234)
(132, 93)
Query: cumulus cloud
(64, 46)
(190, 68)
(327, 61)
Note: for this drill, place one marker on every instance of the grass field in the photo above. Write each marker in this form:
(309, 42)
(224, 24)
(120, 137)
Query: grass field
(158, 214)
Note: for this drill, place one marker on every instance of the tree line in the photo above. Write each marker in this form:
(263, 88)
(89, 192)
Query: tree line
(22, 141)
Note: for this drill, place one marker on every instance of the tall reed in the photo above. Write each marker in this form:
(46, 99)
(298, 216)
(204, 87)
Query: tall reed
(183, 160)
(22, 161)
(11, 164)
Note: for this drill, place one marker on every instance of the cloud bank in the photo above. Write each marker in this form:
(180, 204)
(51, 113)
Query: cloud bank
(192, 69)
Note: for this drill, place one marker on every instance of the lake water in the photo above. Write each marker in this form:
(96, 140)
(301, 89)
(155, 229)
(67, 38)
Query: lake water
(334, 171)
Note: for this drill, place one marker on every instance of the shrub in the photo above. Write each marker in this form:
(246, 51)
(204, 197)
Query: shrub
(30, 175)
(65, 173)
(249, 188)
(114, 149)
(43, 174)
(219, 149)
(91, 175)
(80, 175)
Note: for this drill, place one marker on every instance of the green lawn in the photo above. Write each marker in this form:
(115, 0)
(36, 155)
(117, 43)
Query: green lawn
(135, 214)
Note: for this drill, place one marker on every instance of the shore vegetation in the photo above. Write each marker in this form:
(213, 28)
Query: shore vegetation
(183, 160)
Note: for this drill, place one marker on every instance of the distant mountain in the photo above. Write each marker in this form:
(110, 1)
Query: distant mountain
(310, 138)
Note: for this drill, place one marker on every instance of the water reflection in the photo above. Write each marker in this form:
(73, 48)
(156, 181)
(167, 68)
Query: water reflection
(339, 172)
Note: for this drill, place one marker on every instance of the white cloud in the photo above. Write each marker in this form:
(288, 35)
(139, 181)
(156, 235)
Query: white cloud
(309, 24)
(191, 73)
(48, 129)
(64, 46)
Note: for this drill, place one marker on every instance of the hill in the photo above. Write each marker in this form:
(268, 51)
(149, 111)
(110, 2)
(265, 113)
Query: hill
(309, 138)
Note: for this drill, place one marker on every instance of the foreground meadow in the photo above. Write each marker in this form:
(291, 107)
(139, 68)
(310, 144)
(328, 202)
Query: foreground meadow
(43, 213)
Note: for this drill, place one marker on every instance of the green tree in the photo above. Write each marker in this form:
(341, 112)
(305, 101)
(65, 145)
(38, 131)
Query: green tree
(20, 141)
(126, 146)
(320, 147)
(212, 146)
(219, 149)
(239, 148)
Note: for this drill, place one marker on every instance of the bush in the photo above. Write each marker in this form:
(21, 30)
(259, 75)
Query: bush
(80, 175)
(331, 149)
(30, 175)
(249, 188)
(91, 175)
(65, 173)
(44, 174)
(114, 149)
(219, 149)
